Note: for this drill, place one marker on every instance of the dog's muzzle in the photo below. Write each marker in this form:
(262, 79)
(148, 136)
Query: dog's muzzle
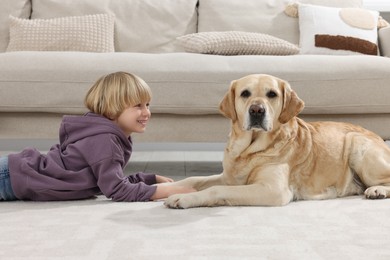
(257, 115)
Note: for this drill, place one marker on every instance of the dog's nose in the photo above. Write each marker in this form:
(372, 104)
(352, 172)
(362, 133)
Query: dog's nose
(256, 110)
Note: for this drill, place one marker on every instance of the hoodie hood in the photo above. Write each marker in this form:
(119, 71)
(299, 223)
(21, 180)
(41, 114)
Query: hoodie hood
(75, 128)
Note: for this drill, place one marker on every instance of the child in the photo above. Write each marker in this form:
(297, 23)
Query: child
(92, 153)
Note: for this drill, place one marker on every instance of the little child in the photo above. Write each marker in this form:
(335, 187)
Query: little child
(92, 153)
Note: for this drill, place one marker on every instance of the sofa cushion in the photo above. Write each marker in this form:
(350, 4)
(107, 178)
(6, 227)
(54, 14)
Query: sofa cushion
(140, 25)
(17, 8)
(262, 16)
(93, 33)
(186, 83)
(339, 31)
(236, 43)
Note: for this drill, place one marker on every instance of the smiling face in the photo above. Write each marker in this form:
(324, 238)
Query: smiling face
(259, 102)
(123, 98)
(134, 119)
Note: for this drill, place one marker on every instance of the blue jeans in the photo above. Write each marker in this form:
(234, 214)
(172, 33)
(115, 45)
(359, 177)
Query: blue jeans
(6, 192)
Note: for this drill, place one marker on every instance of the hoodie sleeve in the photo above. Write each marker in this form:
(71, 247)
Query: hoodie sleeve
(147, 178)
(115, 185)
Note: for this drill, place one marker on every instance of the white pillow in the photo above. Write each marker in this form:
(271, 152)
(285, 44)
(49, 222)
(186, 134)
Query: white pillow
(89, 33)
(339, 31)
(236, 43)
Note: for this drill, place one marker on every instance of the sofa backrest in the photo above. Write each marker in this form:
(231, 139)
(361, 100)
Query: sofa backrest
(140, 25)
(17, 8)
(262, 16)
(153, 25)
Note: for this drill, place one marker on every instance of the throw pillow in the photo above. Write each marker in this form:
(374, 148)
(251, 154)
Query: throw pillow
(340, 31)
(291, 10)
(89, 33)
(148, 26)
(236, 43)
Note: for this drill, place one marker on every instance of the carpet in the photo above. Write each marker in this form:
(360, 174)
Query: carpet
(346, 228)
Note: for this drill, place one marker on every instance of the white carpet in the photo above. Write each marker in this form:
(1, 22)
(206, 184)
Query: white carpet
(348, 228)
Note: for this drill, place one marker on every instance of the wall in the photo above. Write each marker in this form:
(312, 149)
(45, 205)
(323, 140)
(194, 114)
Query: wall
(386, 16)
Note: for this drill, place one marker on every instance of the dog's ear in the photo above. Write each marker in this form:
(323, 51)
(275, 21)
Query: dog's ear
(292, 104)
(227, 105)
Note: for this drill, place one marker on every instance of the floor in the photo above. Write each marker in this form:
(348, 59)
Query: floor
(345, 228)
(98, 229)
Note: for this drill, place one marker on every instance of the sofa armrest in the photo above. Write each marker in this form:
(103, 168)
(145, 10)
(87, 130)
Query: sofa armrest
(384, 41)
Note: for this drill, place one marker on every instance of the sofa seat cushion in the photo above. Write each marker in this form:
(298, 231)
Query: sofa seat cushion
(186, 83)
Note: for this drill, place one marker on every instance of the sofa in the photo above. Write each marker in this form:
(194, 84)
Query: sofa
(37, 87)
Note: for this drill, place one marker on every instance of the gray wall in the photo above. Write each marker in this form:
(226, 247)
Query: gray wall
(386, 16)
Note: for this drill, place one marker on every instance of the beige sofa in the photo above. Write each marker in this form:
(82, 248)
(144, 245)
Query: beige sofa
(38, 87)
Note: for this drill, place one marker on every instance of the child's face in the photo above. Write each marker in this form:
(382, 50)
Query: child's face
(134, 119)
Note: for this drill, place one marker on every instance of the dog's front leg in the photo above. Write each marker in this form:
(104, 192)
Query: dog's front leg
(243, 195)
(269, 188)
(201, 182)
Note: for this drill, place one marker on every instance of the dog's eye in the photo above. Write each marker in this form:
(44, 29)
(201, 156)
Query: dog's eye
(245, 94)
(272, 94)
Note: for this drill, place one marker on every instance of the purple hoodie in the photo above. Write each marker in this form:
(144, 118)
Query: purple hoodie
(89, 161)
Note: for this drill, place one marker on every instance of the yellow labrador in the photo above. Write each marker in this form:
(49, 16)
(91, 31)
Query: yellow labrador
(272, 157)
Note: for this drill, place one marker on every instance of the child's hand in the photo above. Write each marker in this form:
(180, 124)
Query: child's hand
(162, 179)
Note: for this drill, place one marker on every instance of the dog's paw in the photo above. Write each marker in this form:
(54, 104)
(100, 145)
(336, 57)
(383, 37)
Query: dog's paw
(178, 201)
(376, 192)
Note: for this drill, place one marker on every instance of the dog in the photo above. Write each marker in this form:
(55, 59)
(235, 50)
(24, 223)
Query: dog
(273, 157)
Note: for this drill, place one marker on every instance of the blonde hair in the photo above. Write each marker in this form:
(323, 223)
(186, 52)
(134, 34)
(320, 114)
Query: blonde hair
(113, 93)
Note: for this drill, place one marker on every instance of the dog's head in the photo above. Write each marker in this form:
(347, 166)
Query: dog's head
(258, 102)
